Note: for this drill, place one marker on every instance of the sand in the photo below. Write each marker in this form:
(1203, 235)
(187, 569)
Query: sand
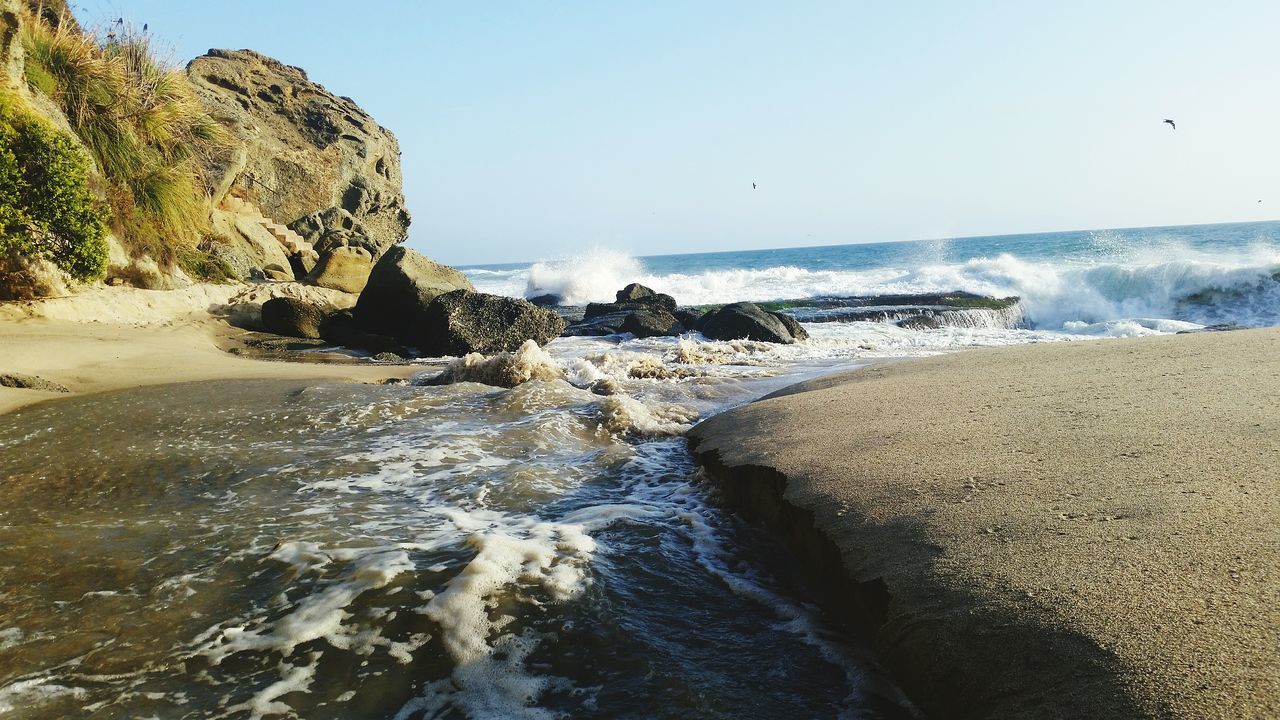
(116, 338)
(1075, 530)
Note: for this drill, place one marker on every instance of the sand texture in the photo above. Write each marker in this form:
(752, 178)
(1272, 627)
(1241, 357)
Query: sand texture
(116, 338)
(1084, 530)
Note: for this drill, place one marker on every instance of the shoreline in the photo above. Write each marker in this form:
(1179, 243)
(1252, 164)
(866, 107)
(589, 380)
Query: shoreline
(115, 339)
(1069, 530)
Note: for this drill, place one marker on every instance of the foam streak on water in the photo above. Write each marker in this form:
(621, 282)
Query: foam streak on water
(462, 550)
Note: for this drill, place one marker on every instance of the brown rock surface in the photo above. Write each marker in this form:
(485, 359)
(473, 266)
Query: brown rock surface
(342, 268)
(306, 150)
(1084, 530)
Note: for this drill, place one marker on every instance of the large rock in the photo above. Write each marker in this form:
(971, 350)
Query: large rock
(400, 287)
(342, 268)
(793, 326)
(652, 323)
(294, 317)
(341, 328)
(303, 149)
(462, 322)
(746, 321)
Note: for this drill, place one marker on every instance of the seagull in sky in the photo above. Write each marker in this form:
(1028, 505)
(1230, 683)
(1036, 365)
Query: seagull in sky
(753, 186)
(1175, 127)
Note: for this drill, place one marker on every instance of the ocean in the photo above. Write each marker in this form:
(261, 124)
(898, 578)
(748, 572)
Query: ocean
(272, 549)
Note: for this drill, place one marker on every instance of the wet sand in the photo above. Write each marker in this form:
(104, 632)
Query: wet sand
(1073, 530)
(117, 338)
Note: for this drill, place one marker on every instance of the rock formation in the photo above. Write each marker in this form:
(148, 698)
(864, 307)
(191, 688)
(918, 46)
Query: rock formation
(462, 322)
(747, 321)
(399, 289)
(306, 157)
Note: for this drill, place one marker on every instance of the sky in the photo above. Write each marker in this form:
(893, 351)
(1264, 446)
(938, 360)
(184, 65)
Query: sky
(537, 130)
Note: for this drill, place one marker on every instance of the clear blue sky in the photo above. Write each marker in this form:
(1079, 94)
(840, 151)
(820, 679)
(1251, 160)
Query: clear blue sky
(533, 130)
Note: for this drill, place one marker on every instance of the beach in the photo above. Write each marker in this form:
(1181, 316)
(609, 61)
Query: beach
(1069, 530)
(118, 338)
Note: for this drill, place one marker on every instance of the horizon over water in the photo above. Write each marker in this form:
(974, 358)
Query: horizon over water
(1091, 282)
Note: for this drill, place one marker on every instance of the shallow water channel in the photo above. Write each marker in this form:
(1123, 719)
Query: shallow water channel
(275, 549)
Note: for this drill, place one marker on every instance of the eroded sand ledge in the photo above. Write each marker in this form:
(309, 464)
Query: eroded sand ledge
(1085, 530)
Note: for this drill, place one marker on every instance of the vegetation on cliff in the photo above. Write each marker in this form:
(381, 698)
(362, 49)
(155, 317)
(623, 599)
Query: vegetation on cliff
(47, 207)
(139, 119)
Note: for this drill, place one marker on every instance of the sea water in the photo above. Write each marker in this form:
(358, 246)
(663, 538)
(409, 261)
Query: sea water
(531, 540)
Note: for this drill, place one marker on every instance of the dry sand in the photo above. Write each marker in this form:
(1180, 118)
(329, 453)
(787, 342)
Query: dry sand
(116, 338)
(1085, 530)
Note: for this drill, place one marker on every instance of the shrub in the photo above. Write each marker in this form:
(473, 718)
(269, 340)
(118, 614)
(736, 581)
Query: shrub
(47, 208)
(141, 121)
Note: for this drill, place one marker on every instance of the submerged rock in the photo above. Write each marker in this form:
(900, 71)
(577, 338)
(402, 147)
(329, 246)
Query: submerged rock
(652, 323)
(462, 322)
(529, 362)
(638, 310)
(400, 287)
(747, 321)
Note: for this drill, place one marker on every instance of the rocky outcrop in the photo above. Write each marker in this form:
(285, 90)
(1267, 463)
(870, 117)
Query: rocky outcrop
(747, 321)
(342, 268)
(462, 322)
(401, 286)
(304, 152)
(341, 328)
(637, 310)
(294, 317)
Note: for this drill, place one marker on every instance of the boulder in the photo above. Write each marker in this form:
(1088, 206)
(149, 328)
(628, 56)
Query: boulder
(689, 317)
(400, 287)
(294, 317)
(342, 268)
(635, 292)
(547, 300)
(462, 322)
(340, 328)
(652, 323)
(303, 150)
(745, 321)
(793, 326)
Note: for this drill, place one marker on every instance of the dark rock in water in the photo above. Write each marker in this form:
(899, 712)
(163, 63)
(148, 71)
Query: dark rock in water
(607, 324)
(340, 328)
(631, 298)
(745, 321)
(31, 382)
(548, 300)
(293, 317)
(461, 322)
(793, 326)
(689, 317)
(1221, 327)
(651, 323)
(920, 322)
(401, 286)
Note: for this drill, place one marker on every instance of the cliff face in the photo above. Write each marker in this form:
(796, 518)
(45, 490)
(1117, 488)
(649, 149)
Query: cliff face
(306, 158)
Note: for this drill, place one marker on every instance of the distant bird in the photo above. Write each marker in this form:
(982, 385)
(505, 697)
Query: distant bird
(144, 27)
(1175, 127)
(753, 186)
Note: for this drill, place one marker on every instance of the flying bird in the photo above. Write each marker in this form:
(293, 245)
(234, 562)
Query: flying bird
(1175, 127)
(753, 186)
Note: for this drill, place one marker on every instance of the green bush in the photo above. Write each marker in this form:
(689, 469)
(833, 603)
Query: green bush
(142, 123)
(47, 207)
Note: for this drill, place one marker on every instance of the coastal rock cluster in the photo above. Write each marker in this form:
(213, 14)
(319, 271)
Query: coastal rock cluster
(409, 304)
(644, 313)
